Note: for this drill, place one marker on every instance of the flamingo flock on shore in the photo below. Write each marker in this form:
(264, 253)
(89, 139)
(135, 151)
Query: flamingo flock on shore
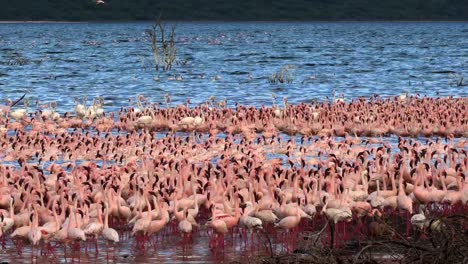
(86, 174)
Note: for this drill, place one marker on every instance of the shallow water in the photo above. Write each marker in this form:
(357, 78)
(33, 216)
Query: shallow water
(63, 61)
(166, 247)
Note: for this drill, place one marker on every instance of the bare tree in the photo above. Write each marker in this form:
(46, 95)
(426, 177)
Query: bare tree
(164, 49)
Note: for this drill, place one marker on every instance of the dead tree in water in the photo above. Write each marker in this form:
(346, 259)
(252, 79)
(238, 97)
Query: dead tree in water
(163, 48)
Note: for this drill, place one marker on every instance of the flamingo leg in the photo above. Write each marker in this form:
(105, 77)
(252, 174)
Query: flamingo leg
(252, 244)
(107, 251)
(32, 254)
(408, 224)
(65, 251)
(96, 245)
(332, 235)
(344, 232)
(3, 242)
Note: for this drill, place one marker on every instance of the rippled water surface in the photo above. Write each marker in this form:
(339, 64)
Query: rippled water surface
(229, 61)
(233, 61)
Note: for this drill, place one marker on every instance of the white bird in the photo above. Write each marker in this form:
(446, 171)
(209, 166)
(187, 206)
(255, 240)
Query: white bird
(80, 109)
(187, 121)
(250, 222)
(46, 113)
(19, 114)
(266, 216)
(418, 220)
(144, 121)
(339, 99)
(198, 120)
(277, 112)
(97, 105)
(315, 116)
(402, 97)
(343, 213)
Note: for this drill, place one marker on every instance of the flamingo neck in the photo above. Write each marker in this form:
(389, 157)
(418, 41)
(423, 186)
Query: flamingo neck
(106, 218)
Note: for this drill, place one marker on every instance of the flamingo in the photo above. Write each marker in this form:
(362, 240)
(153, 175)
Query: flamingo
(289, 222)
(155, 226)
(219, 227)
(22, 231)
(35, 234)
(184, 174)
(74, 230)
(335, 215)
(418, 220)
(96, 227)
(404, 202)
(80, 109)
(108, 233)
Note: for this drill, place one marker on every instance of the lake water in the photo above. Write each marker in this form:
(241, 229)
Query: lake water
(229, 61)
(233, 61)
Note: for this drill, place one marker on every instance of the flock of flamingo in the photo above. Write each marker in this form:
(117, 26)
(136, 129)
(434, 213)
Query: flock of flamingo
(91, 175)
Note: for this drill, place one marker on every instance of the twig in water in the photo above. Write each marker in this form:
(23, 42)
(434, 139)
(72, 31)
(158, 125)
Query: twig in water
(269, 242)
(17, 101)
(319, 234)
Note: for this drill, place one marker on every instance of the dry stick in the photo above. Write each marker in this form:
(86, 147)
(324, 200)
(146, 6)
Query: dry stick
(392, 229)
(17, 101)
(457, 216)
(405, 244)
(154, 46)
(408, 245)
(269, 242)
(356, 257)
(319, 234)
(172, 50)
(163, 42)
(392, 254)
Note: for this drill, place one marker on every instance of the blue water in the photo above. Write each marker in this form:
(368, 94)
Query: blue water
(113, 60)
(61, 62)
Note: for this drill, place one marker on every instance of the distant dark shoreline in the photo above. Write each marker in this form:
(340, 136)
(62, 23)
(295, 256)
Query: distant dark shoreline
(225, 21)
(236, 11)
